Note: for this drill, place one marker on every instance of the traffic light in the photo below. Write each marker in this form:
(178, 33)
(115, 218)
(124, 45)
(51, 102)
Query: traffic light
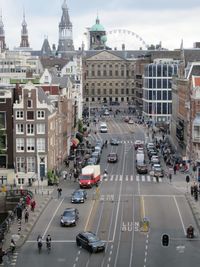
(165, 240)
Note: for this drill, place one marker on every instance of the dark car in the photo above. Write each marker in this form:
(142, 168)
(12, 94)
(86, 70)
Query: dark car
(91, 161)
(112, 157)
(69, 217)
(96, 155)
(141, 168)
(114, 142)
(90, 241)
(79, 196)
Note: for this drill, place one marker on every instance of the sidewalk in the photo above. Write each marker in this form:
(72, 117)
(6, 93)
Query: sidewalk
(42, 197)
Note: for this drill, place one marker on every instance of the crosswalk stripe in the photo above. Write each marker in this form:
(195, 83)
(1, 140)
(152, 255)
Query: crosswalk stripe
(148, 178)
(154, 179)
(111, 178)
(143, 178)
(120, 178)
(126, 177)
(137, 178)
(131, 177)
(116, 178)
(160, 179)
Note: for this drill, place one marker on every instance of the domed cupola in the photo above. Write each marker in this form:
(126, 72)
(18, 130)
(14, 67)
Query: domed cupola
(97, 36)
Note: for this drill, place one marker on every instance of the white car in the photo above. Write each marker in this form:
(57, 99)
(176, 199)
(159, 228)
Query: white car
(130, 122)
(155, 159)
(106, 113)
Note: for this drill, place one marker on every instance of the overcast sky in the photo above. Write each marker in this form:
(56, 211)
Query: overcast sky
(153, 20)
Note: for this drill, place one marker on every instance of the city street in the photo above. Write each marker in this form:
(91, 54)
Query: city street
(115, 214)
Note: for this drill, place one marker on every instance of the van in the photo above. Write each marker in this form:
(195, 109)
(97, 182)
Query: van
(103, 128)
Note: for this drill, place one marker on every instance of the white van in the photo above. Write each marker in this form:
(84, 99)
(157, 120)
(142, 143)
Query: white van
(103, 128)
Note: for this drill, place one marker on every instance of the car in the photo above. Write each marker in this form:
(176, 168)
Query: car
(90, 241)
(141, 168)
(99, 143)
(130, 121)
(114, 142)
(138, 143)
(155, 159)
(79, 196)
(106, 113)
(140, 150)
(112, 157)
(91, 161)
(96, 154)
(98, 149)
(69, 217)
(126, 119)
(157, 170)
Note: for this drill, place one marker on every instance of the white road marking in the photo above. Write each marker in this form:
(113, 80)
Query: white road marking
(137, 178)
(148, 178)
(143, 178)
(160, 180)
(126, 177)
(131, 177)
(111, 178)
(47, 228)
(116, 178)
(180, 215)
(120, 179)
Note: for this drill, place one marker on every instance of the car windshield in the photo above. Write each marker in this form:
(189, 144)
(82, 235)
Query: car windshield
(93, 238)
(69, 213)
(77, 194)
(85, 177)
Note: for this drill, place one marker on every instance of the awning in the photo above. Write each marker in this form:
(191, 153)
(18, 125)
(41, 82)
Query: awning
(74, 142)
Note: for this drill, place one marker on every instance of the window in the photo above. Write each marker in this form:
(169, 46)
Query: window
(164, 95)
(116, 91)
(3, 161)
(30, 115)
(98, 73)
(30, 144)
(164, 108)
(2, 100)
(40, 128)
(19, 128)
(30, 129)
(41, 144)
(20, 180)
(104, 73)
(2, 120)
(19, 114)
(41, 114)
(158, 95)
(122, 91)
(110, 72)
(30, 103)
(30, 164)
(116, 73)
(19, 144)
(127, 91)
(20, 164)
(110, 91)
(3, 142)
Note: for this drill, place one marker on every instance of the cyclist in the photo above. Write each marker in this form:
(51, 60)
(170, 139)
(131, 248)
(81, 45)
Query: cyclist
(39, 242)
(48, 241)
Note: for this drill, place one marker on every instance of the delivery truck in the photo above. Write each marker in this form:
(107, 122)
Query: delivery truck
(90, 175)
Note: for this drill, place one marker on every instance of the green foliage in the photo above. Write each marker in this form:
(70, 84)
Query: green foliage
(80, 126)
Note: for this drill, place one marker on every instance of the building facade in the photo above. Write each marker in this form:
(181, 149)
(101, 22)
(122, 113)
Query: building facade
(157, 95)
(107, 76)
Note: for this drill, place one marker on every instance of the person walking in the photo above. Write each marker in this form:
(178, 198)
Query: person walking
(33, 204)
(26, 215)
(174, 169)
(170, 177)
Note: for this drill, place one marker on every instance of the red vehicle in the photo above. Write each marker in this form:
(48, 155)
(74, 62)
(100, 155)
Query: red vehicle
(89, 176)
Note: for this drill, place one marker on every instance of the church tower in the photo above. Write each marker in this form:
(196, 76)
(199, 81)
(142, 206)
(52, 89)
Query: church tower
(65, 43)
(2, 35)
(24, 34)
(97, 36)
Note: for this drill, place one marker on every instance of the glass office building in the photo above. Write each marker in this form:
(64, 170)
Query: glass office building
(157, 95)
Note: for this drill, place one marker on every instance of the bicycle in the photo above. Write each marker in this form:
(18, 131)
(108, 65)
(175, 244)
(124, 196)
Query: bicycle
(48, 247)
(7, 257)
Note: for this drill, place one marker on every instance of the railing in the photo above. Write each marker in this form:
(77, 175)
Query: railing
(5, 225)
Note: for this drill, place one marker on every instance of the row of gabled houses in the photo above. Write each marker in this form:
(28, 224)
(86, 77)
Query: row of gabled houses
(40, 105)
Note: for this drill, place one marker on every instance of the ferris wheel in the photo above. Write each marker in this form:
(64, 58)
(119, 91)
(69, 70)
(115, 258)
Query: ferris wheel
(130, 40)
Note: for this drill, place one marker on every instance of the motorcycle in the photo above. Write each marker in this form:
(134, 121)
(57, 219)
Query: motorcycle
(190, 233)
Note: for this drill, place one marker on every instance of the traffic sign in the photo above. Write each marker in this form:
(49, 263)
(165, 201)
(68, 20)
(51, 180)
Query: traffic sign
(165, 240)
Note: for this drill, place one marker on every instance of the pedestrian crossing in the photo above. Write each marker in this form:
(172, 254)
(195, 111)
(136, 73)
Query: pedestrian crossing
(131, 178)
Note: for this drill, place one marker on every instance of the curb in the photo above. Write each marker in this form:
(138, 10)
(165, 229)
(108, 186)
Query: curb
(33, 220)
(195, 210)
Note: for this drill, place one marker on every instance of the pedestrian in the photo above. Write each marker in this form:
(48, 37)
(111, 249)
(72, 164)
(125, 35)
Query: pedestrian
(26, 215)
(19, 211)
(33, 204)
(59, 190)
(75, 176)
(174, 169)
(170, 177)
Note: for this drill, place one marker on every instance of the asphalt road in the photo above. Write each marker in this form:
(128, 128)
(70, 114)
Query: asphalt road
(125, 199)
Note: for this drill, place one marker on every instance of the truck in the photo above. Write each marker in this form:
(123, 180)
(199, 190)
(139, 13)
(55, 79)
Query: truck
(139, 158)
(90, 175)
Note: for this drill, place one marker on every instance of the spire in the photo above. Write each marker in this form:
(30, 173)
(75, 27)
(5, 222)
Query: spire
(65, 42)
(2, 34)
(65, 20)
(46, 49)
(24, 33)
(1, 25)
